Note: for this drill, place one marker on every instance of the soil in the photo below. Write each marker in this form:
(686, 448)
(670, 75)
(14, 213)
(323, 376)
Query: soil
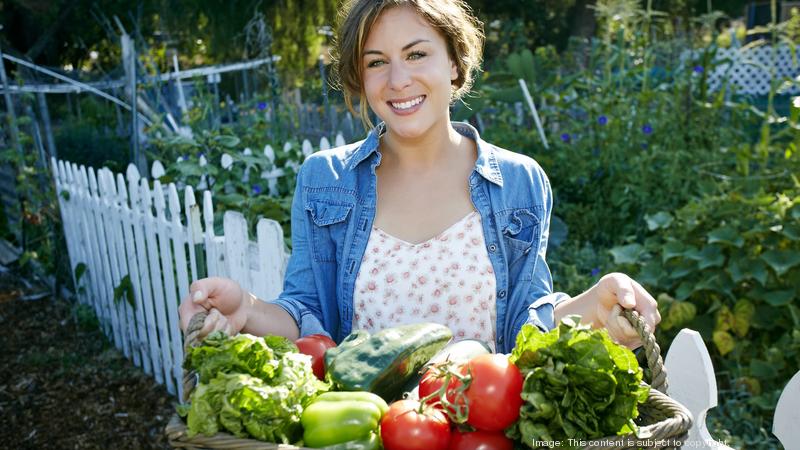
(64, 386)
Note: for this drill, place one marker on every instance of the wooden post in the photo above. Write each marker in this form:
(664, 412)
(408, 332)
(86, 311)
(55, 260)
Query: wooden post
(179, 84)
(48, 130)
(129, 63)
(9, 105)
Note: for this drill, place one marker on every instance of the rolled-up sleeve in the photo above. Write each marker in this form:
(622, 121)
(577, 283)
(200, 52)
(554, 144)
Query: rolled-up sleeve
(299, 296)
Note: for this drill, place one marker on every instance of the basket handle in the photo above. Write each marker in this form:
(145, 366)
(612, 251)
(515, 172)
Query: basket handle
(191, 338)
(652, 351)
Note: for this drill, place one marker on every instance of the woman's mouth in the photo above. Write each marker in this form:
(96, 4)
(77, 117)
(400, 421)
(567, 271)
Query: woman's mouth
(407, 106)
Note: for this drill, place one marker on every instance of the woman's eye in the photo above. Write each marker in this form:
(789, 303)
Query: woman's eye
(416, 55)
(374, 63)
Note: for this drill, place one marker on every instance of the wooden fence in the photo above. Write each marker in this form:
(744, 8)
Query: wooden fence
(135, 249)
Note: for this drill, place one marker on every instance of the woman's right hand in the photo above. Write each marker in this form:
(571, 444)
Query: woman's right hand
(227, 305)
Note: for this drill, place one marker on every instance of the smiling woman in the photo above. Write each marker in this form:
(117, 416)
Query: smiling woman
(422, 221)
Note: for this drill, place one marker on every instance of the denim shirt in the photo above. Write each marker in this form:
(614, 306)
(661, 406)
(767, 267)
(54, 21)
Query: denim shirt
(332, 214)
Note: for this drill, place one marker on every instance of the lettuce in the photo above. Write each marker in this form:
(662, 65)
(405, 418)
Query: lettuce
(579, 385)
(250, 387)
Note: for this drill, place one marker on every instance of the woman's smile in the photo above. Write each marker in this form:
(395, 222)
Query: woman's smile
(405, 107)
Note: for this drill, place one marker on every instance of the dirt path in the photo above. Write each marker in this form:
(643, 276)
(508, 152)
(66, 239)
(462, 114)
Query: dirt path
(64, 386)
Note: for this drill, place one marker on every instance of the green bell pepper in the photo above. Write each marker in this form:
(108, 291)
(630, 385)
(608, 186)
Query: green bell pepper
(373, 442)
(340, 417)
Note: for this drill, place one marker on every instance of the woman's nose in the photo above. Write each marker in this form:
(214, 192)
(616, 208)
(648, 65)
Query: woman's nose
(399, 76)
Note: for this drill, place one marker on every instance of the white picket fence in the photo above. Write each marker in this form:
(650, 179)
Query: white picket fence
(120, 228)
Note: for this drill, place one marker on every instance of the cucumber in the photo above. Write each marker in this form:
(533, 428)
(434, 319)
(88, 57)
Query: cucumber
(384, 362)
(458, 352)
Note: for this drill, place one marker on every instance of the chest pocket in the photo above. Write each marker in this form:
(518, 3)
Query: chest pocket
(521, 235)
(329, 225)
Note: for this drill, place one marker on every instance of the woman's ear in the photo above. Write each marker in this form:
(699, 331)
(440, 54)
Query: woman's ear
(453, 71)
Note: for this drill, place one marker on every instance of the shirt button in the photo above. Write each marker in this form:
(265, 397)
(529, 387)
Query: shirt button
(500, 339)
(502, 293)
(492, 248)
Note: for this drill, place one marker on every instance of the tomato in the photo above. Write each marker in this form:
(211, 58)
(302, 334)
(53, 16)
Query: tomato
(494, 393)
(315, 345)
(404, 427)
(480, 440)
(429, 384)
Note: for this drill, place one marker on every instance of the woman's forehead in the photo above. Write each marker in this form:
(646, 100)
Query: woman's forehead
(398, 27)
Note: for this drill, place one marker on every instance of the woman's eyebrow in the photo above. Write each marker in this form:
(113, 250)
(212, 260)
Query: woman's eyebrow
(405, 47)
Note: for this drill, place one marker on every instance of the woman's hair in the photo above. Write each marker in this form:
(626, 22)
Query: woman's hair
(462, 32)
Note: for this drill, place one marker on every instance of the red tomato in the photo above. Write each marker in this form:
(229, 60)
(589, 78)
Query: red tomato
(315, 345)
(429, 384)
(480, 440)
(403, 427)
(494, 393)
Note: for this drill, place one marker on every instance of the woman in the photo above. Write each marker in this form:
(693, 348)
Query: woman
(369, 250)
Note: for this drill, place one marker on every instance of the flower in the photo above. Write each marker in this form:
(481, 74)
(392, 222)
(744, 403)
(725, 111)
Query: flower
(699, 69)
(602, 120)
(647, 129)
(595, 271)
(566, 137)
(226, 161)
(256, 189)
(644, 146)
(262, 106)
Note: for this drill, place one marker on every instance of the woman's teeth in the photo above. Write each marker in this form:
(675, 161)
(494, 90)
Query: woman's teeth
(408, 104)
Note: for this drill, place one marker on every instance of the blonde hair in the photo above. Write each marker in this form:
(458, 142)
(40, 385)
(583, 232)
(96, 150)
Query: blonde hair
(462, 32)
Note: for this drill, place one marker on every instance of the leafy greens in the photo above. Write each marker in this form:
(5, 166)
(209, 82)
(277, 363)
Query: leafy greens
(579, 384)
(251, 387)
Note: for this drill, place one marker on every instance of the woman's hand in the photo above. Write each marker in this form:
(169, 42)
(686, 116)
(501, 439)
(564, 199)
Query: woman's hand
(226, 303)
(602, 304)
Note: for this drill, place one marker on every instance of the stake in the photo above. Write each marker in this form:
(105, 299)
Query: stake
(9, 104)
(533, 111)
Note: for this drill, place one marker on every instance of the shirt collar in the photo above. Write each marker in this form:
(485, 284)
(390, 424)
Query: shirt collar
(486, 165)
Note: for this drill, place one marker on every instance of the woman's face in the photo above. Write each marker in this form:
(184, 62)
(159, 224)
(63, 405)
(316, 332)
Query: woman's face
(407, 73)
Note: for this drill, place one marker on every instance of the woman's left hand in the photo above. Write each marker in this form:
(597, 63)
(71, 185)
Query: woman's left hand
(602, 304)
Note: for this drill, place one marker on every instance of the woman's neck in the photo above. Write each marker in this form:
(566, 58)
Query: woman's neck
(426, 152)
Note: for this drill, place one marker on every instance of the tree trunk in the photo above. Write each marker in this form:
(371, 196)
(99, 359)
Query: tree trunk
(583, 21)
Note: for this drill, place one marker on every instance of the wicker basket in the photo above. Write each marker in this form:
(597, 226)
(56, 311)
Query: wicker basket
(663, 422)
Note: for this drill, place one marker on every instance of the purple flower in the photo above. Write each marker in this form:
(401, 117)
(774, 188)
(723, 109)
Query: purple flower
(602, 120)
(256, 189)
(595, 152)
(262, 106)
(647, 129)
(595, 271)
(566, 137)
(644, 146)
(699, 69)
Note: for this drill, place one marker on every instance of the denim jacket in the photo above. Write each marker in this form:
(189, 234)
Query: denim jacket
(332, 214)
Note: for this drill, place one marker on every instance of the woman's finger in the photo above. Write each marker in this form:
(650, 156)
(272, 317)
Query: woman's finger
(620, 285)
(647, 306)
(210, 323)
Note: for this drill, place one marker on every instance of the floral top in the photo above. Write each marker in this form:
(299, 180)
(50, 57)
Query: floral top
(447, 279)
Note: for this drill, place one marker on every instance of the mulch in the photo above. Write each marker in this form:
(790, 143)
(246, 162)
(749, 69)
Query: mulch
(63, 385)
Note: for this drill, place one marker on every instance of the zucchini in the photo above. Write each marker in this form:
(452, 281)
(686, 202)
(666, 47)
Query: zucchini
(384, 362)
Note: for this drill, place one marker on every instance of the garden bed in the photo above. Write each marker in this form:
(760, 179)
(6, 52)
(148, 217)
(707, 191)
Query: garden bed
(63, 385)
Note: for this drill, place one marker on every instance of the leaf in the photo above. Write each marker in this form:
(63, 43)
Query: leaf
(80, 269)
(743, 312)
(726, 235)
(724, 342)
(681, 313)
(710, 256)
(779, 297)
(65, 194)
(227, 141)
(781, 260)
(124, 291)
(762, 369)
(684, 291)
(627, 254)
(672, 249)
(658, 221)
(792, 232)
